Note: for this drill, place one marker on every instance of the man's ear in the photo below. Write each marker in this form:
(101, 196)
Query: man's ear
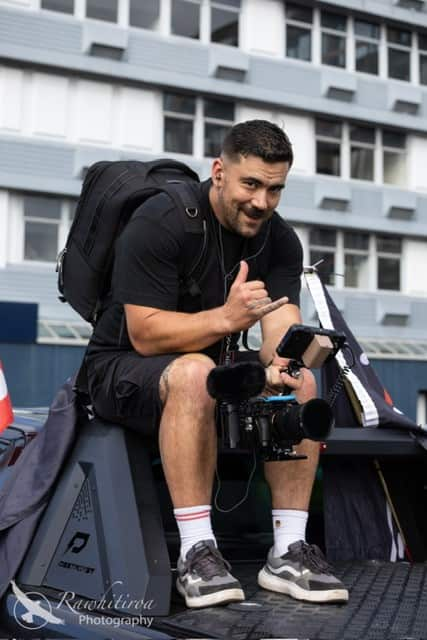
(217, 171)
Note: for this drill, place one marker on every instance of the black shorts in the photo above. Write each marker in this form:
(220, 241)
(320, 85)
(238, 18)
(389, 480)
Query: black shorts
(124, 388)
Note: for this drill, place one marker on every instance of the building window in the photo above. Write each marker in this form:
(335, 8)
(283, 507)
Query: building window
(356, 259)
(367, 36)
(328, 147)
(322, 253)
(399, 53)
(389, 257)
(106, 10)
(362, 149)
(312, 34)
(299, 21)
(179, 115)
(218, 119)
(394, 157)
(42, 217)
(354, 151)
(144, 14)
(333, 38)
(225, 22)
(185, 18)
(422, 46)
(62, 6)
(356, 255)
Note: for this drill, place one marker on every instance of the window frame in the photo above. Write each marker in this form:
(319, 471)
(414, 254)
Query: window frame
(351, 40)
(17, 230)
(222, 5)
(399, 47)
(199, 121)
(367, 39)
(336, 33)
(307, 26)
(402, 151)
(398, 257)
(363, 145)
(340, 252)
(198, 3)
(345, 153)
(421, 54)
(355, 252)
(330, 140)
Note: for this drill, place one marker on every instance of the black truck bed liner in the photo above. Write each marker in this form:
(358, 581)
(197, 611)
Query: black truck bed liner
(388, 601)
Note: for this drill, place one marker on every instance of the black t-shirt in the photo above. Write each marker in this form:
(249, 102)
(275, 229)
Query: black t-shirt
(153, 256)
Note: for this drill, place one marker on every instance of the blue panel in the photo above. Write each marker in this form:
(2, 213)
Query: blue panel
(35, 372)
(18, 322)
(403, 379)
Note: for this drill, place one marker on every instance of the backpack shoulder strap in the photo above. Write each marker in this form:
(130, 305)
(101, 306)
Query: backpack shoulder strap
(187, 201)
(186, 197)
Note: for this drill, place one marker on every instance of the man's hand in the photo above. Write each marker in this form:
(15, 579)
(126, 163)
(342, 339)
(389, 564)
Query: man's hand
(248, 302)
(276, 379)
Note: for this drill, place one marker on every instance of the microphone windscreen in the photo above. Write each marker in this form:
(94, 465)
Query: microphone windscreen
(236, 382)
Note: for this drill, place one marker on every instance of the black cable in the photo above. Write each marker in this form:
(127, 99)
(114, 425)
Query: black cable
(245, 496)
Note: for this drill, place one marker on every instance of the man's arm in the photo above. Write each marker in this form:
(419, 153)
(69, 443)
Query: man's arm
(153, 331)
(273, 328)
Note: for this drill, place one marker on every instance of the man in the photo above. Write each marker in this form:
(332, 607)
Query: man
(154, 347)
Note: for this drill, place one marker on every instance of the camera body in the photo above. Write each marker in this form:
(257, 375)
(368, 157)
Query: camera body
(274, 424)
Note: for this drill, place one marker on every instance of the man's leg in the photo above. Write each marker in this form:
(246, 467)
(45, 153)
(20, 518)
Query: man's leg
(187, 437)
(188, 448)
(293, 566)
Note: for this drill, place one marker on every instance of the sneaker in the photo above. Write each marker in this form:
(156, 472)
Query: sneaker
(204, 579)
(302, 573)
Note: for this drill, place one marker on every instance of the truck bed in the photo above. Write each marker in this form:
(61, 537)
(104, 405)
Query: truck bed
(388, 601)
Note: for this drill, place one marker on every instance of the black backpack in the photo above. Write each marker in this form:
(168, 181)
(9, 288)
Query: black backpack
(111, 192)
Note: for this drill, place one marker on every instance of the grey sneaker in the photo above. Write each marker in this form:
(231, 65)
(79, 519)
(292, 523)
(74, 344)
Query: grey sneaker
(203, 577)
(302, 573)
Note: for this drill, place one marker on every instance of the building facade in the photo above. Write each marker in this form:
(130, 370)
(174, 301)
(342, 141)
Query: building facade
(86, 80)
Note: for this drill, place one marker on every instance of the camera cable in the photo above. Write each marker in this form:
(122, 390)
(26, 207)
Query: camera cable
(246, 494)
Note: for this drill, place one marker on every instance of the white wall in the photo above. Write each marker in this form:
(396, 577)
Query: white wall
(49, 105)
(414, 267)
(11, 99)
(300, 130)
(246, 112)
(417, 162)
(262, 27)
(140, 119)
(42, 105)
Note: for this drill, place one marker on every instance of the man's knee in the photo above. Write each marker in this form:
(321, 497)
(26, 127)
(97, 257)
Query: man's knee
(187, 374)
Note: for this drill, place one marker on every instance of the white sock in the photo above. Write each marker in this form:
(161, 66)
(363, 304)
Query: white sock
(194, 524)
(288, 527)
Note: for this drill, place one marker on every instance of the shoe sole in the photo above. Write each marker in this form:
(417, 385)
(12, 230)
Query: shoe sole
(211, 599)
(280, 585)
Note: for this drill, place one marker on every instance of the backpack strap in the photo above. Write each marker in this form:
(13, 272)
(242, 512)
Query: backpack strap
(187, 201)
(169, 164)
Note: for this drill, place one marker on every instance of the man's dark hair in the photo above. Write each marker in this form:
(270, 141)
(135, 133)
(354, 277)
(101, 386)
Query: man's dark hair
(258, 138)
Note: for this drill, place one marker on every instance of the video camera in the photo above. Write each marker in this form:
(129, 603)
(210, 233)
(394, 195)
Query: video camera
(273, 424)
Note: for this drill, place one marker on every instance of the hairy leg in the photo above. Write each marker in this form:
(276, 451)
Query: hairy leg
(187, 436)
(291, 482)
